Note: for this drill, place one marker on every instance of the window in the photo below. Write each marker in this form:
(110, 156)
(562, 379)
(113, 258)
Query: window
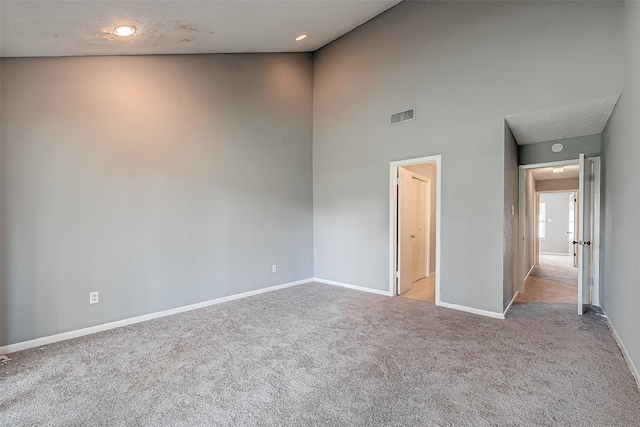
(542, 221)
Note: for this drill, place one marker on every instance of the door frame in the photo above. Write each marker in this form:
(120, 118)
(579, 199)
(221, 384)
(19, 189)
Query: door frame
(522, 274)
(393, 217)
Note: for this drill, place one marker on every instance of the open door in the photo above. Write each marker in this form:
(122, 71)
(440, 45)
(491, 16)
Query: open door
(419, 267)
(585, 228)
(406, 232)
(575, 232)
(409, 177)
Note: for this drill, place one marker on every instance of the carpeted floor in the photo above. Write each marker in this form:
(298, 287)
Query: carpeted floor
(563, 275)
(558, 260)
(321, 355)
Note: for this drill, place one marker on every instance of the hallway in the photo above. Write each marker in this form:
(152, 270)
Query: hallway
(554, 280)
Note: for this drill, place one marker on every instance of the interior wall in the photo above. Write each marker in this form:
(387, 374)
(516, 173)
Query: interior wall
(159, 181)
(557, 223)
(511, 213)
(464, 66)
(428, 170)
(620, 291)
(558, 184)
(531, 154)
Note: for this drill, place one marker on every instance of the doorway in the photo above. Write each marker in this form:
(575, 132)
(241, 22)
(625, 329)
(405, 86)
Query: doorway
(558, 226)
(553, 279)
(559, 233)
(414, 229)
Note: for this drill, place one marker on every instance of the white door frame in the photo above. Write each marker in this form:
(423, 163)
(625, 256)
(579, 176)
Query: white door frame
(595, 296)
(393, 217)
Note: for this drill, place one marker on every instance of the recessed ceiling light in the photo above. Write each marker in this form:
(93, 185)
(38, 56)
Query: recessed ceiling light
(124, 30)
(557, 170)
(301, 37)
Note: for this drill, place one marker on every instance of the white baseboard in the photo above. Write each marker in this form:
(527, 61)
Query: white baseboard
(357, 288)
(473, 310)
(625, 353)
(529, 272)
(555, 253)
(24, 345)
(504, 315)
(387, 294)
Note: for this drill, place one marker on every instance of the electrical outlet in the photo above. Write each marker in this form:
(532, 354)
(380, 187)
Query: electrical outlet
(274, 268)
(93, 297)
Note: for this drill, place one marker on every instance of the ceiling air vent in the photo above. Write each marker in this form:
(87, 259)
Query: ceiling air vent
(403, 116)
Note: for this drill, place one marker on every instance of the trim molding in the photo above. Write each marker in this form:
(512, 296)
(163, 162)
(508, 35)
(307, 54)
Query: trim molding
(623, 349)
(529, 272)
(355, 287)
(24, 345)
(481, 312)
(504, 314)
(555, 253)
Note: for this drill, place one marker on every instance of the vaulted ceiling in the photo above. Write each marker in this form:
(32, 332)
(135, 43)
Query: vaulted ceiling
(566, 121)
(84, 27)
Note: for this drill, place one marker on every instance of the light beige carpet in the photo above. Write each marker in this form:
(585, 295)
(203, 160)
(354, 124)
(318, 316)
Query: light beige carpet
(321, 355)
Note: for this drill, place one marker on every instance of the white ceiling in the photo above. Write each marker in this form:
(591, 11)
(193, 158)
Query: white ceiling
(71, 28)
(543, 174)
(567, 121)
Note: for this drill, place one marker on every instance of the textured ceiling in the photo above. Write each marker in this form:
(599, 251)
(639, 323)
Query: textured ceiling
(71, 28)
(568, 121)
(543, 174)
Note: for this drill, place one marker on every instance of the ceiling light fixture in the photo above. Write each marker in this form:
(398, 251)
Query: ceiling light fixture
(301, 37)
(557, 170)
(124, 30)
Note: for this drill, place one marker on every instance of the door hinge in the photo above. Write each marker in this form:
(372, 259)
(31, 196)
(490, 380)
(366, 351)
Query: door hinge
(398, 181)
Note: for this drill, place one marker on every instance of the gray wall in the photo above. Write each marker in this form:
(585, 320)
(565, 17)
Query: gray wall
(157, 181)
(557, 222)
(429, 170)
(464, 66)
(621, 142)
(510, 227)
(531, 154)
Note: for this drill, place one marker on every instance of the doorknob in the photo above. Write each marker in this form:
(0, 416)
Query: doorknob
(576, 243)
(587, 243)
(413, 236)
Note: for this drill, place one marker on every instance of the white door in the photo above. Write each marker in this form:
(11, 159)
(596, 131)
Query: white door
(576, 220)
(585, 227)
(419, 262)
(406, 231)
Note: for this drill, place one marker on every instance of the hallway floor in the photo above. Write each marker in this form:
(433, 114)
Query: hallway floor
(554, 280)
(558, 260)
(423, 290)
